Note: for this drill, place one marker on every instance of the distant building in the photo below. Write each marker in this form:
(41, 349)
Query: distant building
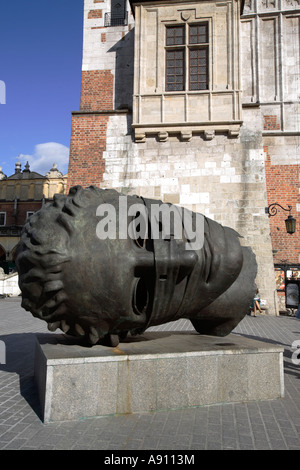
(22, 194)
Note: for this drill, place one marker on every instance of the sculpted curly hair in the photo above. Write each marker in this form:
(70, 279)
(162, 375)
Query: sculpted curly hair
(44, 252)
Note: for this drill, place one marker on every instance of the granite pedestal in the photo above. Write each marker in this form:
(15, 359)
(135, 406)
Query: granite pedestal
(154, 371)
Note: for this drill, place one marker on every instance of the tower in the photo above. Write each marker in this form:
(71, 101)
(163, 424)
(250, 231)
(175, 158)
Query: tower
(106, 86)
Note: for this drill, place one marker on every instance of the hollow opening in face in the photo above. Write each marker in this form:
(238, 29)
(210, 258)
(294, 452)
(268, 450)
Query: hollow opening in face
(140, 297)
(139, 228)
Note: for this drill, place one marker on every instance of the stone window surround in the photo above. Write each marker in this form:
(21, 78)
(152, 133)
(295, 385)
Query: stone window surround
(185, 130)
(186, 46)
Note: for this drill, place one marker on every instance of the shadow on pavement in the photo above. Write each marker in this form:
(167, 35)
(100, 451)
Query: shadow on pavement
(290, 367)
(19, 358)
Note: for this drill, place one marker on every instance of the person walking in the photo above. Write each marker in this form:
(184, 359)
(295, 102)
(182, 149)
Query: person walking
(256, 303)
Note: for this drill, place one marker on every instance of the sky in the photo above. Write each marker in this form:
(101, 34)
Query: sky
(40, 77)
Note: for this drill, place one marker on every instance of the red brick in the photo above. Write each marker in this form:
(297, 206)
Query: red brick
(88, 141)
(97, 90)
(94, 14)
(283, 188)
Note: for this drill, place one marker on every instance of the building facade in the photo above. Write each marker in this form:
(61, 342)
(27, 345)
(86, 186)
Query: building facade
(195, 103)
(270, 81)
(21, 194)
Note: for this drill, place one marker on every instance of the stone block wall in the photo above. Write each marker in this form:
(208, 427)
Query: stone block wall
(270, 48)
(223, 178)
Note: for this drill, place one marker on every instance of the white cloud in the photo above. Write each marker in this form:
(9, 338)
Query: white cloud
(45, 155)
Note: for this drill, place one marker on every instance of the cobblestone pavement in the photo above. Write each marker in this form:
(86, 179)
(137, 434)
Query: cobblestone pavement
(273, 424)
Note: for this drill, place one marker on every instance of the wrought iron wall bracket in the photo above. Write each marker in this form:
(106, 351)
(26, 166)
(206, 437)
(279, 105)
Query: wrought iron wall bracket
(290, 222)
(272, 210)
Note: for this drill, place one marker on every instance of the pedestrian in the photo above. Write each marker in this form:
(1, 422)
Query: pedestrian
(256, 303)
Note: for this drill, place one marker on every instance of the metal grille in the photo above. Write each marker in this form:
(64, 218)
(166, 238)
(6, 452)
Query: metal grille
(175, 36)
(198, 34)
(198, 69)
(112, 19)
(175, 70)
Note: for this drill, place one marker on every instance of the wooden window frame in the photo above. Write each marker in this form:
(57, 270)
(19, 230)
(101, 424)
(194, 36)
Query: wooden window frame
(186, 47)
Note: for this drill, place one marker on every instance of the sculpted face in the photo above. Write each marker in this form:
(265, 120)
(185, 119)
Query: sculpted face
(100, 264)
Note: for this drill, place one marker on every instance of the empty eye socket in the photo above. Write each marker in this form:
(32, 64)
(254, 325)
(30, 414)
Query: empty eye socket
(139, 229)
(140, 297)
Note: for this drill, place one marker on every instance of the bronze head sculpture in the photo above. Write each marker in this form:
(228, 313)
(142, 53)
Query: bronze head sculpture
(102, 275)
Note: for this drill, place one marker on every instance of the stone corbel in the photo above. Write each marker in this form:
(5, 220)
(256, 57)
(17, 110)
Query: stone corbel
(140, 137)
(163, 136)
(209, 135)
(186, 136)
(233, 133)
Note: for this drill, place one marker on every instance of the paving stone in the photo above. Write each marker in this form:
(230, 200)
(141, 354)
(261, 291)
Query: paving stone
(265, 425)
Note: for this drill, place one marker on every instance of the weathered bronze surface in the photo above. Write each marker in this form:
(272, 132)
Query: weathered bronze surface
(103, 289)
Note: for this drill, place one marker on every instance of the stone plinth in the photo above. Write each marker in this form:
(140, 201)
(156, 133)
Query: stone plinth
(155, 371)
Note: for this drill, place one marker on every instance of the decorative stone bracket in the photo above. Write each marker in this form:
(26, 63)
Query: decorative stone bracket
(185, 135)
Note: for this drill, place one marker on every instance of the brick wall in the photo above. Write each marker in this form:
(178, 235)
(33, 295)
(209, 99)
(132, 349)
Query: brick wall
(283, 187)
(88, 137)
(88, 141)
(106, 86)
(97, 90)
(271, 123)
(94, 14)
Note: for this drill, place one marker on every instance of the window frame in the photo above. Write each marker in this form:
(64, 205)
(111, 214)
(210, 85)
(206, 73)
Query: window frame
(29, 213)
(3, 213)
(118, 13)
(187, 47)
